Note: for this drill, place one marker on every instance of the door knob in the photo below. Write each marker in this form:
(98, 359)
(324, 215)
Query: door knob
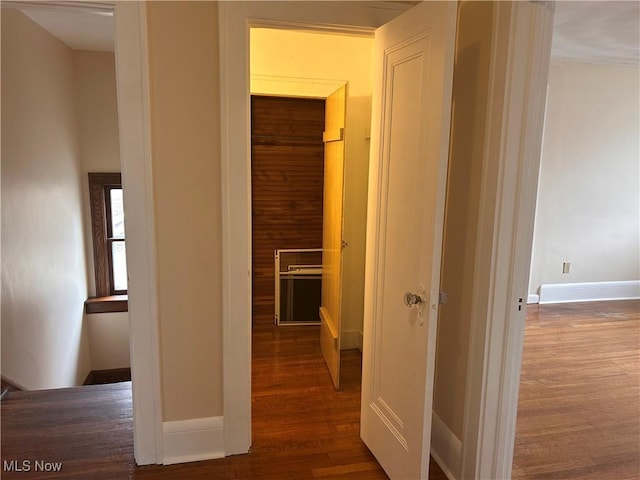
(411, 299)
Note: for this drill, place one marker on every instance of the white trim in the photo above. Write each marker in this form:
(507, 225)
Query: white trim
(193, 440)
(60, 6)
(589, 291)
(351, 339)
(304, 87)
(236, 229)
(132, 73)
(446, 448)
(234, 19)
(19, 386)
(521, 47)
(311, 25)
(533, 298)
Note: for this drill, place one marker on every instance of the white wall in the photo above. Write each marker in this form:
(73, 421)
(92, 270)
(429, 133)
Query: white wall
(97, 110)
(589, 191)
(109, 337)
(44, 344)
(284, 54)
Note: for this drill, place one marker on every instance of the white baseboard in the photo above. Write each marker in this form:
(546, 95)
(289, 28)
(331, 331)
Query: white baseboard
(351, 339)
(446, 448)
(193, 440)
(533, 298)
(15, 384)
(589, 292)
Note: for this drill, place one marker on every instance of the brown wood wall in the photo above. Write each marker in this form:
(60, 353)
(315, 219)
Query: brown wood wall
(287, 169)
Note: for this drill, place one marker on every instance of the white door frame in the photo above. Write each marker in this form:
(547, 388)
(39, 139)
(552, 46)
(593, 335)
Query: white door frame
(521, 47)
(132, 72)
(520, 62)
(235, 19)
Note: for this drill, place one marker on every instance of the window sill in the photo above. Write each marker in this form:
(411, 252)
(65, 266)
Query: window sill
(111, 304)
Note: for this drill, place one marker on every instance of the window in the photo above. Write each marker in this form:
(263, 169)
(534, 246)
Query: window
(107, 227)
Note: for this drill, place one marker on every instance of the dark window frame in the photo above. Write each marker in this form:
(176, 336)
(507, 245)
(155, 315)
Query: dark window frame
(100, 185)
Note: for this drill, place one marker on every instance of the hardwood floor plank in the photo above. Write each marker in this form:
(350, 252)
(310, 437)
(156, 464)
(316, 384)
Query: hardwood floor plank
(579, 401)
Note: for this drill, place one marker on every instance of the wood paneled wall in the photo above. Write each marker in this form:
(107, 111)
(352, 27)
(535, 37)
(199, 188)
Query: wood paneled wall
(287, 169)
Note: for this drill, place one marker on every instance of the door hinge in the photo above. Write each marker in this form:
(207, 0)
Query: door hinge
(442, 297)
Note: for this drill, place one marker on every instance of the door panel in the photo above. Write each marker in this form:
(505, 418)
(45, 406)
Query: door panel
(330, 307)
(414, 58)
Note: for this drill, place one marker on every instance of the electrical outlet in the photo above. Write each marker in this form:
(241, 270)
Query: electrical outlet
(566, 267)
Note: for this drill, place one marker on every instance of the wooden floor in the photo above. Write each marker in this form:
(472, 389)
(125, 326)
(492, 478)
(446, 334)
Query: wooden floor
(89, 429)
(579, 411)
(302, 428)
(579, 403)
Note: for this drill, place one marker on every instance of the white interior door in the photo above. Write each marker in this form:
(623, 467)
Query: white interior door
(409, 153)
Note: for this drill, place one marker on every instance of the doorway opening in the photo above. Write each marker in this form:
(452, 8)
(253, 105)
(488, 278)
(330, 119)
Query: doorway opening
(287, 150)
(288, 122)
(72, 109)
(584, 276)
(82, 286)
(293, 398)
(286, 361)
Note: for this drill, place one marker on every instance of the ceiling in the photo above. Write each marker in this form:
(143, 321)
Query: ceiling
(584, 31)
(597, 32)
(80, 25)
